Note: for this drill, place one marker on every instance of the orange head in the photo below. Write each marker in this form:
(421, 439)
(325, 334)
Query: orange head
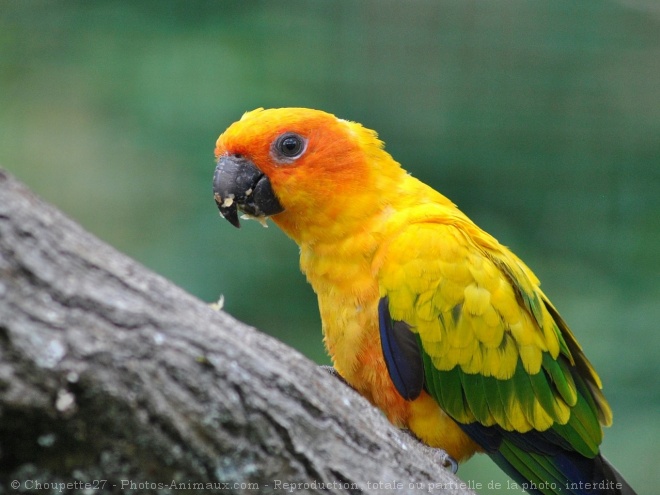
(305, 168)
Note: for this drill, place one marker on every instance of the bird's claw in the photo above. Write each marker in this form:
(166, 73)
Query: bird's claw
(445, 460)
(439, 456)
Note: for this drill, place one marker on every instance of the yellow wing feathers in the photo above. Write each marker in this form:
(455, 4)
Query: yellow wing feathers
(464, 308)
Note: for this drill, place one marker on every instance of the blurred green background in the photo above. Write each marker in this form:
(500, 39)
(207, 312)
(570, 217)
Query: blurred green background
(540, 119)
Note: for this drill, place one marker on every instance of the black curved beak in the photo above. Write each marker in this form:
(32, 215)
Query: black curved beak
(239, 184)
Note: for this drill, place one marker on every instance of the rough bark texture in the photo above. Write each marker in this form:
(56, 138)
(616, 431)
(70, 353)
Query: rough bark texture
(109, 372)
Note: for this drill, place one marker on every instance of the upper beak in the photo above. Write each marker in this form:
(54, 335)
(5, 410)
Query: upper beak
(238, 183)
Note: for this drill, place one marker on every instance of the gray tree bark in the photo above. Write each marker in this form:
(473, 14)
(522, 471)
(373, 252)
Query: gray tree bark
(113, 378)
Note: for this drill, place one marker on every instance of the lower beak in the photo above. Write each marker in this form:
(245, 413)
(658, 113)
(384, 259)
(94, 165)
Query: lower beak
(239, 184)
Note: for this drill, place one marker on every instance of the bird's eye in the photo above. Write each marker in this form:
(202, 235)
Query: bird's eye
(290, 145)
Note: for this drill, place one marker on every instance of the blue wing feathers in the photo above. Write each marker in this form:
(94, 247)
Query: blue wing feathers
(402, 353)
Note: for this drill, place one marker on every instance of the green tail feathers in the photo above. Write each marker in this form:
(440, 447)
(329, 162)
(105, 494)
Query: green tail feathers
(566, 473)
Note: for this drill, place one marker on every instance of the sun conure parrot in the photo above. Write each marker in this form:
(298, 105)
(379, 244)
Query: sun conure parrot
(425, 314)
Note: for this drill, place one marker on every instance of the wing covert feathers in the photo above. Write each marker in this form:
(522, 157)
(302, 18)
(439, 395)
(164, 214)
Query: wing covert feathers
(487, 331)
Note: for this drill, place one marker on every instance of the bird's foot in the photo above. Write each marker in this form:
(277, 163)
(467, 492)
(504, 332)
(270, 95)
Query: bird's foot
(445, 460)
(439, 456)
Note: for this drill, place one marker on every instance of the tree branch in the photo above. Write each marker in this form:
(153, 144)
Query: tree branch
(109, 372)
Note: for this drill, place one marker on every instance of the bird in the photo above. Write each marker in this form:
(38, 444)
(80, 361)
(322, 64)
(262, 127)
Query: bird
(424, 313)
